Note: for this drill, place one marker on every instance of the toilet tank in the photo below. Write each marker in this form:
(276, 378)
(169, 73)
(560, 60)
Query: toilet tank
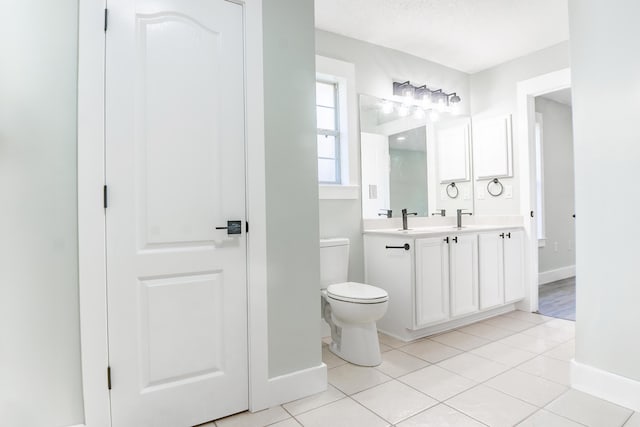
(334, 261)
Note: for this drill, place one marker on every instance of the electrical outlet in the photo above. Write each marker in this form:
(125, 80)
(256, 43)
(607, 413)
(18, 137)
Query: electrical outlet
(508, 191)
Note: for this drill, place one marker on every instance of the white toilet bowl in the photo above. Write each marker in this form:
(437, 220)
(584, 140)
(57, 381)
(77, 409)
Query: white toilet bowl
(352, 309)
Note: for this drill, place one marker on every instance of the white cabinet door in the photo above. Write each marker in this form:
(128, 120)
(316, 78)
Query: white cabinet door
(491, 269)
(513, 266)
(175, 161)
(432, 281)
(463, 258)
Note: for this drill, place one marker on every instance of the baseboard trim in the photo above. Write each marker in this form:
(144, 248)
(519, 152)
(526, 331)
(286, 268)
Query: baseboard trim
(297, 385)
(606, 385)
(545, 277)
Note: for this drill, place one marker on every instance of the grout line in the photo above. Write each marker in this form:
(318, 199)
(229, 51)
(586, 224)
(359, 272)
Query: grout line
(465, 414)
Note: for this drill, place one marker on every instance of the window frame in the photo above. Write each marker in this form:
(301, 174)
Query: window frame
(332, 132)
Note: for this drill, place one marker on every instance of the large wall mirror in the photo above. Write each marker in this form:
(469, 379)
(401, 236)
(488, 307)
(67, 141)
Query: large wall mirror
(413, 160)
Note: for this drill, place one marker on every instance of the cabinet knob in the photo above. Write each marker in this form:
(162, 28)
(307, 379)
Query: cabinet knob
(509, 235)
(455, 239)
(446, 239)
(502, 235)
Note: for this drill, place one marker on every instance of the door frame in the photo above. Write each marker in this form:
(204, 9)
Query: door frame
(91, 214)
(527, 90)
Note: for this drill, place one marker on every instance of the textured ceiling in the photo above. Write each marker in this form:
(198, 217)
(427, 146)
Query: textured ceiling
(468, 35)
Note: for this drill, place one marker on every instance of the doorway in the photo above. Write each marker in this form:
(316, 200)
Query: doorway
(555, 207)
(175, 212)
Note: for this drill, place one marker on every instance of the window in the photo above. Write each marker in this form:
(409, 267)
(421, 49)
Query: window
(328, 118)
(540, 181)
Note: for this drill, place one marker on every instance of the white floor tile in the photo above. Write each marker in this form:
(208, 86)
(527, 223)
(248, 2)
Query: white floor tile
(529, 343)
(532, 389)
(509, 323)
(504, 354)
(390, 341)
(589, 410)
(437, 382)
(440, 416)
(343, 413)
(291, 422)
(566, 351)
(312, 402)
(431, 351)
(248, 419)
(473, 367)
(351, 379)
(330, 359)
(460, 340)
(385, 348)
(634, 421)
(546, 332)
(396, 363)
(562, 324)
(485, 331)
(491, 406)
(394, 401)
(528, 317)
(552, 369)
(544, 418)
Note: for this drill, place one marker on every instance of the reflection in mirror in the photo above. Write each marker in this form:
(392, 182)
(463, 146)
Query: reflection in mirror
(409, 159)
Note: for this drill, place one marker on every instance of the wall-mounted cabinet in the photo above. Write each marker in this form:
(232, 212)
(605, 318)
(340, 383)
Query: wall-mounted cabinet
(443, 281)
(492, 147)
(452, 145)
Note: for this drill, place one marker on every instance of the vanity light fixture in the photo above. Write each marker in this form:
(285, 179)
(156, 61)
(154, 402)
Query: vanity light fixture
(425, 96)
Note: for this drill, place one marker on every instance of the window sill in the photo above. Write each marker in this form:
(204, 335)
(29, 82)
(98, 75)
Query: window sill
(338, 192)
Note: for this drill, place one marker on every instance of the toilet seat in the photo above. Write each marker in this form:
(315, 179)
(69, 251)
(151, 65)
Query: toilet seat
(357, 293)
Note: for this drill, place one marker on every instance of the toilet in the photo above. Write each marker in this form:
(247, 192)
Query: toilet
(351, 309)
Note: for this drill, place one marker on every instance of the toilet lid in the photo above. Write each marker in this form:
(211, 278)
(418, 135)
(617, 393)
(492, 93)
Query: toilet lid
(357, 292)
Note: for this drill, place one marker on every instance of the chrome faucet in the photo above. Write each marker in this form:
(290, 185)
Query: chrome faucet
(404, 218)
(386, 212)
(460, 213)
(441, 212)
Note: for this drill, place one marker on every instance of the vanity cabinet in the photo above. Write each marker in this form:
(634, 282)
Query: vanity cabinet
(501, 259)
(463, 285)
(441, 282)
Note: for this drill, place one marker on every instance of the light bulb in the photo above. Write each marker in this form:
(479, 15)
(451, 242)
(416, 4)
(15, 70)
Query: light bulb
(403, 110)
(418, 113)
(387, 107)
(434, 116)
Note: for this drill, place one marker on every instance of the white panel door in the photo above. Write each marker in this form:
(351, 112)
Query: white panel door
(175, 171)
(432, 281)
(514, 266)
(491, 269)
(463, 259)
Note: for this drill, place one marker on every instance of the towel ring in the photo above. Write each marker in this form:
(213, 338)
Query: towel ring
(450, 190)
(498, 183)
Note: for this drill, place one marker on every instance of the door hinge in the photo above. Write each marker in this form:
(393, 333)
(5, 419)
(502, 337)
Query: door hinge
(106, 18)
(105, 198)
(246, 226)
(109, 377)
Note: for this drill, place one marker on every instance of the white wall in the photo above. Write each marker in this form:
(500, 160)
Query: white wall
(293, 251)
(605, 37)
(376, 69)
(493, 93)
(559, 195)
(40, 377)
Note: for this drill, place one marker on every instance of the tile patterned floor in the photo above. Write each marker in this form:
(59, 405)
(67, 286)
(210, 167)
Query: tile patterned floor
(506, 371)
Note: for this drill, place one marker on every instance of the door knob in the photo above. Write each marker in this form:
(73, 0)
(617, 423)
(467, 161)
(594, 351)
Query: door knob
(233, 227)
